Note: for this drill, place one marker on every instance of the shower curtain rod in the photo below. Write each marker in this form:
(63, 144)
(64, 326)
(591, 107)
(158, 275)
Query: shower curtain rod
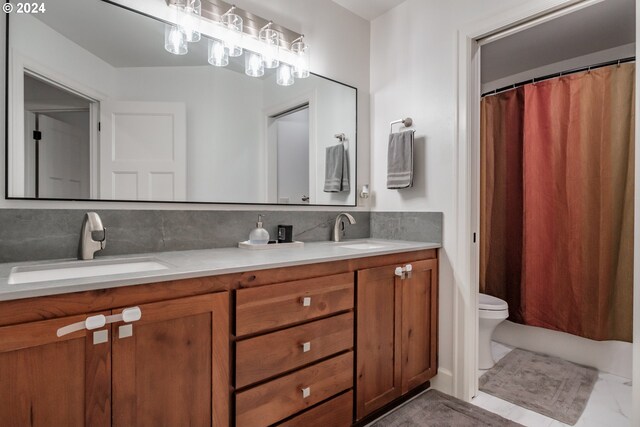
(560, 74)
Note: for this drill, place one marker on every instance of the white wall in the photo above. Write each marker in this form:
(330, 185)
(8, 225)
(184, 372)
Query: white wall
(60, 55)
(414, 73)
(340, 50)
(224, 146)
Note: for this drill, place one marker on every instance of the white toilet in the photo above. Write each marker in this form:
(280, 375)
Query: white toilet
(492, 311)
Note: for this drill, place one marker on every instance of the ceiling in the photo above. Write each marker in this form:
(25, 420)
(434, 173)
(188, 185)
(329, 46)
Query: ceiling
(368, 9)
(605, 25)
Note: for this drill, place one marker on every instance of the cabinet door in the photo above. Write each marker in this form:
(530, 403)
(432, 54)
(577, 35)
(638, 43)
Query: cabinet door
(378, 339)
(173, 369)
(48, 380)
(419, 324)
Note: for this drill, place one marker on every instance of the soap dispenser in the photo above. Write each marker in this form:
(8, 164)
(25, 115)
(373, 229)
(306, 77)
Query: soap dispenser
(259, 236)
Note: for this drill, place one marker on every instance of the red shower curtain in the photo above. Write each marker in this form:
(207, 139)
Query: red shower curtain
(561, 163)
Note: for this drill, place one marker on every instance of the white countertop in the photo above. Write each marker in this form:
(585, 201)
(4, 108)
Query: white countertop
(197, 263)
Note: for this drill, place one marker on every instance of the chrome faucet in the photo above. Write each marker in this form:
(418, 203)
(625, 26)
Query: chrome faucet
(338, 226)
(88, 247)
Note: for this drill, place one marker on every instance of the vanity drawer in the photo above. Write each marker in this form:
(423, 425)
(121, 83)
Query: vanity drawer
(281, 398)
(269, 307)
(265, 356)
(337, 412)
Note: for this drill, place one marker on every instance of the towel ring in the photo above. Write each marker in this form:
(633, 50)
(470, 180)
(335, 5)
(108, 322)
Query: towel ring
(406, 122)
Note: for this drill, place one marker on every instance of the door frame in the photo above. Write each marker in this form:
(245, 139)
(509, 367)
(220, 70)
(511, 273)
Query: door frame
(19, 65)
(467, 175)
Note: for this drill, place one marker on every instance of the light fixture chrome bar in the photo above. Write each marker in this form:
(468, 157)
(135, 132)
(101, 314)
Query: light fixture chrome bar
(214, 9)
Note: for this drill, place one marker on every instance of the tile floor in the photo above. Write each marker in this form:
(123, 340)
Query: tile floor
(609, 405)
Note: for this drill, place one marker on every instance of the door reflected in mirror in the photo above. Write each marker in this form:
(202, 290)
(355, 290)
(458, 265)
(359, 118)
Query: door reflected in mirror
(99, 110)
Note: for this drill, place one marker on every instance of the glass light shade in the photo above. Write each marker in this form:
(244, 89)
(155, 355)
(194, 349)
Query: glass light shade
(284, 75)
(175, 40)
(271, 42)
(253, 64)
(233, 23)
(218, 54)
(189, 19)
(301, 65)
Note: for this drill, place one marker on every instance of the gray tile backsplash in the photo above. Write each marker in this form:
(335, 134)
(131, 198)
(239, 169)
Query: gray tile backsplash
(38, 234)
(415, 226)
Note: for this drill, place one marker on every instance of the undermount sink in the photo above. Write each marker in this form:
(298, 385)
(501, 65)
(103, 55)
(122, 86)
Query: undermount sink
(79, 269)
(364, 245)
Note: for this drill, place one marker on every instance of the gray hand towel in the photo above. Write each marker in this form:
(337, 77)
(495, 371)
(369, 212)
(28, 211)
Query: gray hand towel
(400, 160)
(336, 170)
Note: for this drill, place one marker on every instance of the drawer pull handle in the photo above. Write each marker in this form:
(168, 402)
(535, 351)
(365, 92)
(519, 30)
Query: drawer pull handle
(306, 346)
(306, 392)
(306, 301)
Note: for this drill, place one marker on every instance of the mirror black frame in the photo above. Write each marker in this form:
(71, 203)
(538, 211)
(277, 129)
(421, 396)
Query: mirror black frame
(6, 148)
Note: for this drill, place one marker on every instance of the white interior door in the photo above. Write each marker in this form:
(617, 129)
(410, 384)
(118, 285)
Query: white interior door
(143, 151)
(63, 170)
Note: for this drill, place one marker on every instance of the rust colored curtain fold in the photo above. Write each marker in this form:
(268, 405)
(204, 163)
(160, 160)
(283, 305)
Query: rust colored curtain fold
(501, 198)
(577, 204)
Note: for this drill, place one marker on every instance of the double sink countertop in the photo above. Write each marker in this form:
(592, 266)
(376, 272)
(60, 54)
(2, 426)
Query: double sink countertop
(40, 278)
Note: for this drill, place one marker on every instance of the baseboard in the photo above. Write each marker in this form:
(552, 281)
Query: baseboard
(614, 357)
(443, 381)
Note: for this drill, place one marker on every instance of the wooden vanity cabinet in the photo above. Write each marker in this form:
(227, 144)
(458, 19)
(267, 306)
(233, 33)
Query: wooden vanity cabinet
(307, 340)
(294, 351)
(174, 368)
(170, 368)
(47, 380)
(397, 332)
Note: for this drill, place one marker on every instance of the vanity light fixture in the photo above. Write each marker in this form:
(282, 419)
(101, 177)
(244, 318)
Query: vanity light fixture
(253, 64)
(233, 24)
(227, 37)
(284, 75)
(189, 19)
(301, 51)
(175, 40)
(271, 42)
(218, 53)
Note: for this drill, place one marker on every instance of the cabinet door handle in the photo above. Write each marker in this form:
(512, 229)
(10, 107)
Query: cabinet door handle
(305, 301)
(408, 269)
(400, 272)
(306, 392)
(128, 315)
(90, 323)
(306, 346)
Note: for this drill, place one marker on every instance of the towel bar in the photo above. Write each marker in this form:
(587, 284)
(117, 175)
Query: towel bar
(406, 122)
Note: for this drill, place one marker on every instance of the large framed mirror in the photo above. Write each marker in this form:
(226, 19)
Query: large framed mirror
(99, 110)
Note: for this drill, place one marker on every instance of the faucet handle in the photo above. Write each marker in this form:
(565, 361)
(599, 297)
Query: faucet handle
(103, 241)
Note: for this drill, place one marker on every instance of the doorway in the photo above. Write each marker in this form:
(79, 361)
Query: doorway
(57, 140)
(468, 186)
(289, 145)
